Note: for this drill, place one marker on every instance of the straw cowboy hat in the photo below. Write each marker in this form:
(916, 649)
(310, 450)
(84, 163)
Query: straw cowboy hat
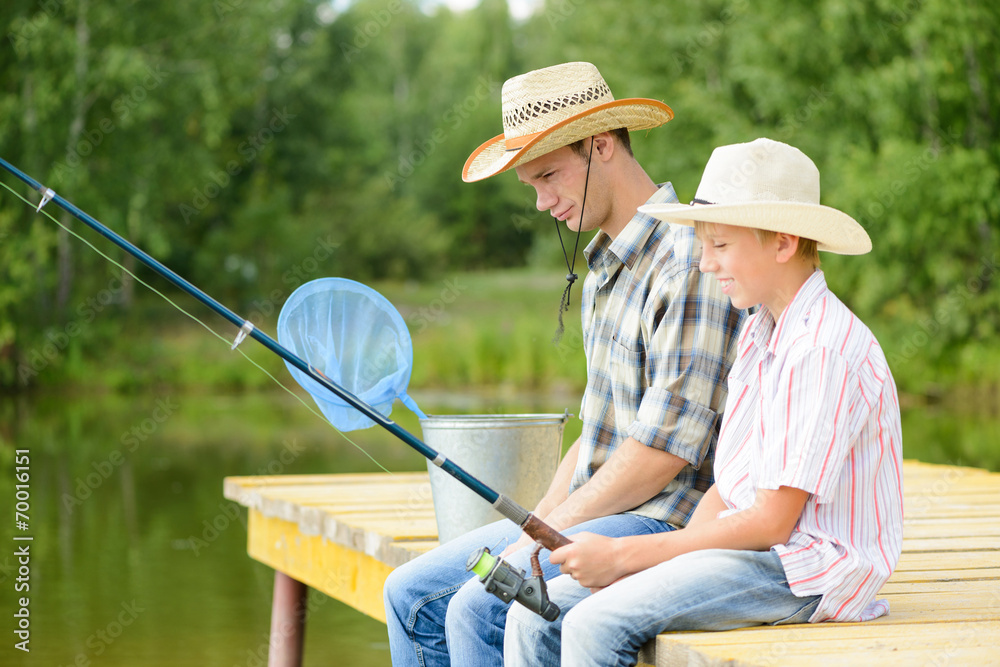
(553, 107)
(768, 185)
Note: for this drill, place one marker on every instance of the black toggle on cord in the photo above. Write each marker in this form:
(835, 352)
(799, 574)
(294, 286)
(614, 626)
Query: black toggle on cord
(571, 276)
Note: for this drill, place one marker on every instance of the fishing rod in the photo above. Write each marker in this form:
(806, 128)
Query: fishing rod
(541, 532)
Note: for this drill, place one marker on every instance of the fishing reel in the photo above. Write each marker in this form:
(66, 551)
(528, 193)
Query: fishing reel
(510, 583)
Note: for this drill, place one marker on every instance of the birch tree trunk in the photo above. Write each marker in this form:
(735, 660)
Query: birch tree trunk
(80, 104)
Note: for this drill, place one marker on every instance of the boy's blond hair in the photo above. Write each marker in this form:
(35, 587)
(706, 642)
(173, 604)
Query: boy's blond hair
(807, 249)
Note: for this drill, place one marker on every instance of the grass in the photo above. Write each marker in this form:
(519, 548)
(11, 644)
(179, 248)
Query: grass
(487, 331)
(471, 330)
(491, 329)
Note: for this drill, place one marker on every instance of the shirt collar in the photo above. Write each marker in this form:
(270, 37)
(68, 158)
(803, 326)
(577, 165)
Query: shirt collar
(767, 333)
(631, 242)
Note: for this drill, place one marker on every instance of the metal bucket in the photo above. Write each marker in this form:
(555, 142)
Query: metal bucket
(516, 455)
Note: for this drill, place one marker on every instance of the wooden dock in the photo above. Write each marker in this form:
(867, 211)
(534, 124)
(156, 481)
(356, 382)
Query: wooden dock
(342, 535)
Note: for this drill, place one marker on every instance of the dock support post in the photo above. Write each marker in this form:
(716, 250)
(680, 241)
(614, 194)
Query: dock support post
(288, 622)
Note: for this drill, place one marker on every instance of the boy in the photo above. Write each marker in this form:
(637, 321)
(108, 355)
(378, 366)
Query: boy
(804, 521)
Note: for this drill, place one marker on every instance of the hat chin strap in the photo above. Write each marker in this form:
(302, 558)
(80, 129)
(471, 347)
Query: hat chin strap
(570, 264)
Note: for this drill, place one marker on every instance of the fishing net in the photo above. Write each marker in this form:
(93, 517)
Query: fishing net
(354, 336)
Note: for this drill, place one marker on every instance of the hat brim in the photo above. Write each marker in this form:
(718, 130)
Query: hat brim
(633, 113)
(834, 231)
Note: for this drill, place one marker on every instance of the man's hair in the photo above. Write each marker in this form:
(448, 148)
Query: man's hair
(621, 134)
(807, 249)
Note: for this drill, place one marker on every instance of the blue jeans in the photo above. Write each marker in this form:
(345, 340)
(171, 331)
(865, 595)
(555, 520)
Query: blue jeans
(439, 614)
(716, 589)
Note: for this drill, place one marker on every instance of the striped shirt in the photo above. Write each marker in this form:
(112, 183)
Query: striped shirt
(812, 405)
(659, 338)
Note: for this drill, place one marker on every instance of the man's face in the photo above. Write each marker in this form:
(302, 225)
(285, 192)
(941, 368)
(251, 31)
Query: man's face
(559, 180)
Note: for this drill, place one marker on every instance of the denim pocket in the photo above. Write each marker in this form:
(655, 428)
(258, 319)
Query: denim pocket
(804, 614)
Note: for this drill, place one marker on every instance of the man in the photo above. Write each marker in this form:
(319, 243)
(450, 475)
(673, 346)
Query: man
(658, 337)
(805, 520)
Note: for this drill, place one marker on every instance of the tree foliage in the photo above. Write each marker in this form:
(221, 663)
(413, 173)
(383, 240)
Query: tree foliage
(254, 146)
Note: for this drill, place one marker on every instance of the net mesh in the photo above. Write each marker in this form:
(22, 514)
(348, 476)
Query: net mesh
(356, 338)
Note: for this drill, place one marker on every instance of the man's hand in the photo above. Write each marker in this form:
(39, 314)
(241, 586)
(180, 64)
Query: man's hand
(592, 560)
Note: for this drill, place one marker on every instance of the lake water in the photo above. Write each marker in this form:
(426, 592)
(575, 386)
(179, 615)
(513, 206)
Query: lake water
(137, 559)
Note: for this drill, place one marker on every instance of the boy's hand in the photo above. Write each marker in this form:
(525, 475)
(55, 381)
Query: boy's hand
(592, 560)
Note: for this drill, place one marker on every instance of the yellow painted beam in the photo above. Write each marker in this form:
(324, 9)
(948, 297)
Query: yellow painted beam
(342, 573)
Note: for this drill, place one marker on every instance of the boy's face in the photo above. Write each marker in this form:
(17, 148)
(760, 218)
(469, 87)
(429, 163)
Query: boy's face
(743, 266)
(559, 179)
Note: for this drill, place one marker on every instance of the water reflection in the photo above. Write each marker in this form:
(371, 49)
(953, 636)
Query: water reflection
(137, 558)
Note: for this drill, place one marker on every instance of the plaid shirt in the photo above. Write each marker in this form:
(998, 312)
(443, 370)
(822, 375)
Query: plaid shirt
(660, 338)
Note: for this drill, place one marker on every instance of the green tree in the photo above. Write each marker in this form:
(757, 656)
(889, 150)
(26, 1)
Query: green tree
(255, 146)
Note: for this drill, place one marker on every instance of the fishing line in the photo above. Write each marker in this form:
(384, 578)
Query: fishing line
(203, 324)
(531, 524)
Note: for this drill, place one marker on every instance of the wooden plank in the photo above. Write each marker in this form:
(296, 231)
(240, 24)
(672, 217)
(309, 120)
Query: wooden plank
(944, 544)
(969, 502)
(249, 491)
(917, 469)
(833, 644)
(896, 657)
(335, 494)
(954, 586)
(901, 653)
(983, 511)
(973, 558)
(375, 543)
(289, 507)
(906, 606)
(914, 576)
(961, 527)
(341, 479)
(375, 540)
(971, 522)
(813, 633)
(349, 529)
(776, 649)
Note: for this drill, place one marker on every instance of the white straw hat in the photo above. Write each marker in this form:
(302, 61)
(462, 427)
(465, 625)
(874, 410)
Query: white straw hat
(553, 107)
(769, 185)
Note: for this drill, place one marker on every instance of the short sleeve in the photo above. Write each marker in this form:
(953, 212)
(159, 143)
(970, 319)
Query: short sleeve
(693, 333)
(807, 427)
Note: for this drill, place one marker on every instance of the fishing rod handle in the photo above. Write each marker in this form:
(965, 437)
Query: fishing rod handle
(543, 533)
(540, 531)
